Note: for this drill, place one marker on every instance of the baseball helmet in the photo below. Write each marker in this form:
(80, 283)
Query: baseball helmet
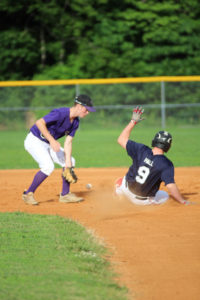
(85, 101)
(162, 140)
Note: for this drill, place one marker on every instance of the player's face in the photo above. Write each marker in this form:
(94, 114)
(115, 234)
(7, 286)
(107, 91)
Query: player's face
(83, 112)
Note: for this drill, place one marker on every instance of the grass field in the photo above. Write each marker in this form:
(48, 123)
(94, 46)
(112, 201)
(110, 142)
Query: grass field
(98, 147)
(49, 257)
(46, 257)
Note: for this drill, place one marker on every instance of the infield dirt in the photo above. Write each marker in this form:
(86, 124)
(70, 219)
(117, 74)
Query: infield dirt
(155, 249)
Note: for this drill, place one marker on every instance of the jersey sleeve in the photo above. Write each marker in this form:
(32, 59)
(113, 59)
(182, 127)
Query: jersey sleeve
(131, 148)
(167, 175)
(134, 148)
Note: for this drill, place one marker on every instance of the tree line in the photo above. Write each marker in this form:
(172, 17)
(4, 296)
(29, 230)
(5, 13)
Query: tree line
(62, 39)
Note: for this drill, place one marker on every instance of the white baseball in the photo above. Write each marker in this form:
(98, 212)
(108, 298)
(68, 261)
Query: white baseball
(88, 186)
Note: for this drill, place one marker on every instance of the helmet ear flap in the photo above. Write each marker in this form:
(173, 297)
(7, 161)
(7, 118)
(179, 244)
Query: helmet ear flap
(153, 143)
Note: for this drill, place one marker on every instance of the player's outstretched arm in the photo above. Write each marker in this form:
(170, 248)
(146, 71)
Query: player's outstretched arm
(174, 192)
(125, 134)
(136, 117)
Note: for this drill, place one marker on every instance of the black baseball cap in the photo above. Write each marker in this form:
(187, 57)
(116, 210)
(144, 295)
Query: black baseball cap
(85, 101)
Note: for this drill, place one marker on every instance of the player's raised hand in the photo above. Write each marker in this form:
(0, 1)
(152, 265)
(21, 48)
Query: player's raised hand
(137, 115)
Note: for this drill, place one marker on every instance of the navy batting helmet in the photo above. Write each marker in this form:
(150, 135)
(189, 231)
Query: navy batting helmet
(162, 140)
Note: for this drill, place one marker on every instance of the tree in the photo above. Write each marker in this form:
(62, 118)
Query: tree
(66, 39)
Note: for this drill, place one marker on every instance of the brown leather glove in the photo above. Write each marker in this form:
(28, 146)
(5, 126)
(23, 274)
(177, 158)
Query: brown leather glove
(69, 175)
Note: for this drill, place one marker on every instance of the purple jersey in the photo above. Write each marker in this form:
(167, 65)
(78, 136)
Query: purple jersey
(58, 124)
(147, 171)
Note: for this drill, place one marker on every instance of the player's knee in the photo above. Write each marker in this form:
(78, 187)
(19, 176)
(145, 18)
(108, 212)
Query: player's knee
(161, 197)
(47, 169)
(164, 194)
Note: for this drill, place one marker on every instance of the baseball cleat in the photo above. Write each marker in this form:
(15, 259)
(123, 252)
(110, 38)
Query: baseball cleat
(29, 198)
(70, 198)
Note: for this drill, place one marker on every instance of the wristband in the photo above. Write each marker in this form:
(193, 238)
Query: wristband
(134, 122)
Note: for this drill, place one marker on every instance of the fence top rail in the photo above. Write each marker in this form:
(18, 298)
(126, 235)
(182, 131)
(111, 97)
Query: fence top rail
(98, 107)
(100, 81)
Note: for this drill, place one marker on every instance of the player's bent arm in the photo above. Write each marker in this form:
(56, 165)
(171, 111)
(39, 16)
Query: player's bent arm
(41, 124)
(68, 151)
(174, 192)
(124, 136)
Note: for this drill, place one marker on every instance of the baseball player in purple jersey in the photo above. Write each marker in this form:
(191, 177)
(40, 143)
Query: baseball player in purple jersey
(41, 142)
(150, 167)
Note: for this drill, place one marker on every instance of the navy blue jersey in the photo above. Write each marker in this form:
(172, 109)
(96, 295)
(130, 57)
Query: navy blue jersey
(147, 171)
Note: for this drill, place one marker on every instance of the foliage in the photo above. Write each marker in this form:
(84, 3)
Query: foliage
(66, 39)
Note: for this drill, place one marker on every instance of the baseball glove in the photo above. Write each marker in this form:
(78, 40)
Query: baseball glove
(69, 175)
(137, 115)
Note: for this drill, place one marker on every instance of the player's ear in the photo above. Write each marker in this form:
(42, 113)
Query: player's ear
(78, 106)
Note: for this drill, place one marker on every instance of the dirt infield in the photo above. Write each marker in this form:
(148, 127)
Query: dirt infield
(155, 250)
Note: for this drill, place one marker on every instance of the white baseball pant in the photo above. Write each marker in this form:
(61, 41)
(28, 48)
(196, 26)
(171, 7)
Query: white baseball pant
(159, 198)
(44, 155)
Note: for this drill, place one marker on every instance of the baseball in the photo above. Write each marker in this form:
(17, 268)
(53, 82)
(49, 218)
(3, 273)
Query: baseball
(88, 186)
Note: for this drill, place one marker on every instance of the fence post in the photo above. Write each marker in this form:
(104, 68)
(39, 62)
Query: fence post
(163, 106)
(77, 89)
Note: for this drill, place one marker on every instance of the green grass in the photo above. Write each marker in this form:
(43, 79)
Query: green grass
(97, 147)
(49, 257)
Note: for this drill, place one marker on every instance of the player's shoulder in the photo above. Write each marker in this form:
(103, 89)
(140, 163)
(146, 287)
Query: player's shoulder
(136, 144)
(167, 161)
(142, 147)
(62, 111)
(135, 148)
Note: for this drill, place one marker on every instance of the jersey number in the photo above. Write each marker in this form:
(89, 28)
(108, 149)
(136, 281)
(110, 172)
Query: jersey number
(143, 173)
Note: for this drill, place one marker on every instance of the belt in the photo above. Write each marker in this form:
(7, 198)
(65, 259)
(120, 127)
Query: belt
(136, 196)
(141, 198)
(41, 137)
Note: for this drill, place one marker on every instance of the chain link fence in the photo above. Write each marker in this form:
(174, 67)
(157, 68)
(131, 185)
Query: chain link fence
(166, 103)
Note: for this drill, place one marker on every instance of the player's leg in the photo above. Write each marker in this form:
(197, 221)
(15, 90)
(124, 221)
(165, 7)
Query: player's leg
(40, 152)
(118, 186)
(65, 196)
(161, 197)
(59, 158)
(121, 188)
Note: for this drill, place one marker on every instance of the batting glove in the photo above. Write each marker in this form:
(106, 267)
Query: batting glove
(137, 115)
